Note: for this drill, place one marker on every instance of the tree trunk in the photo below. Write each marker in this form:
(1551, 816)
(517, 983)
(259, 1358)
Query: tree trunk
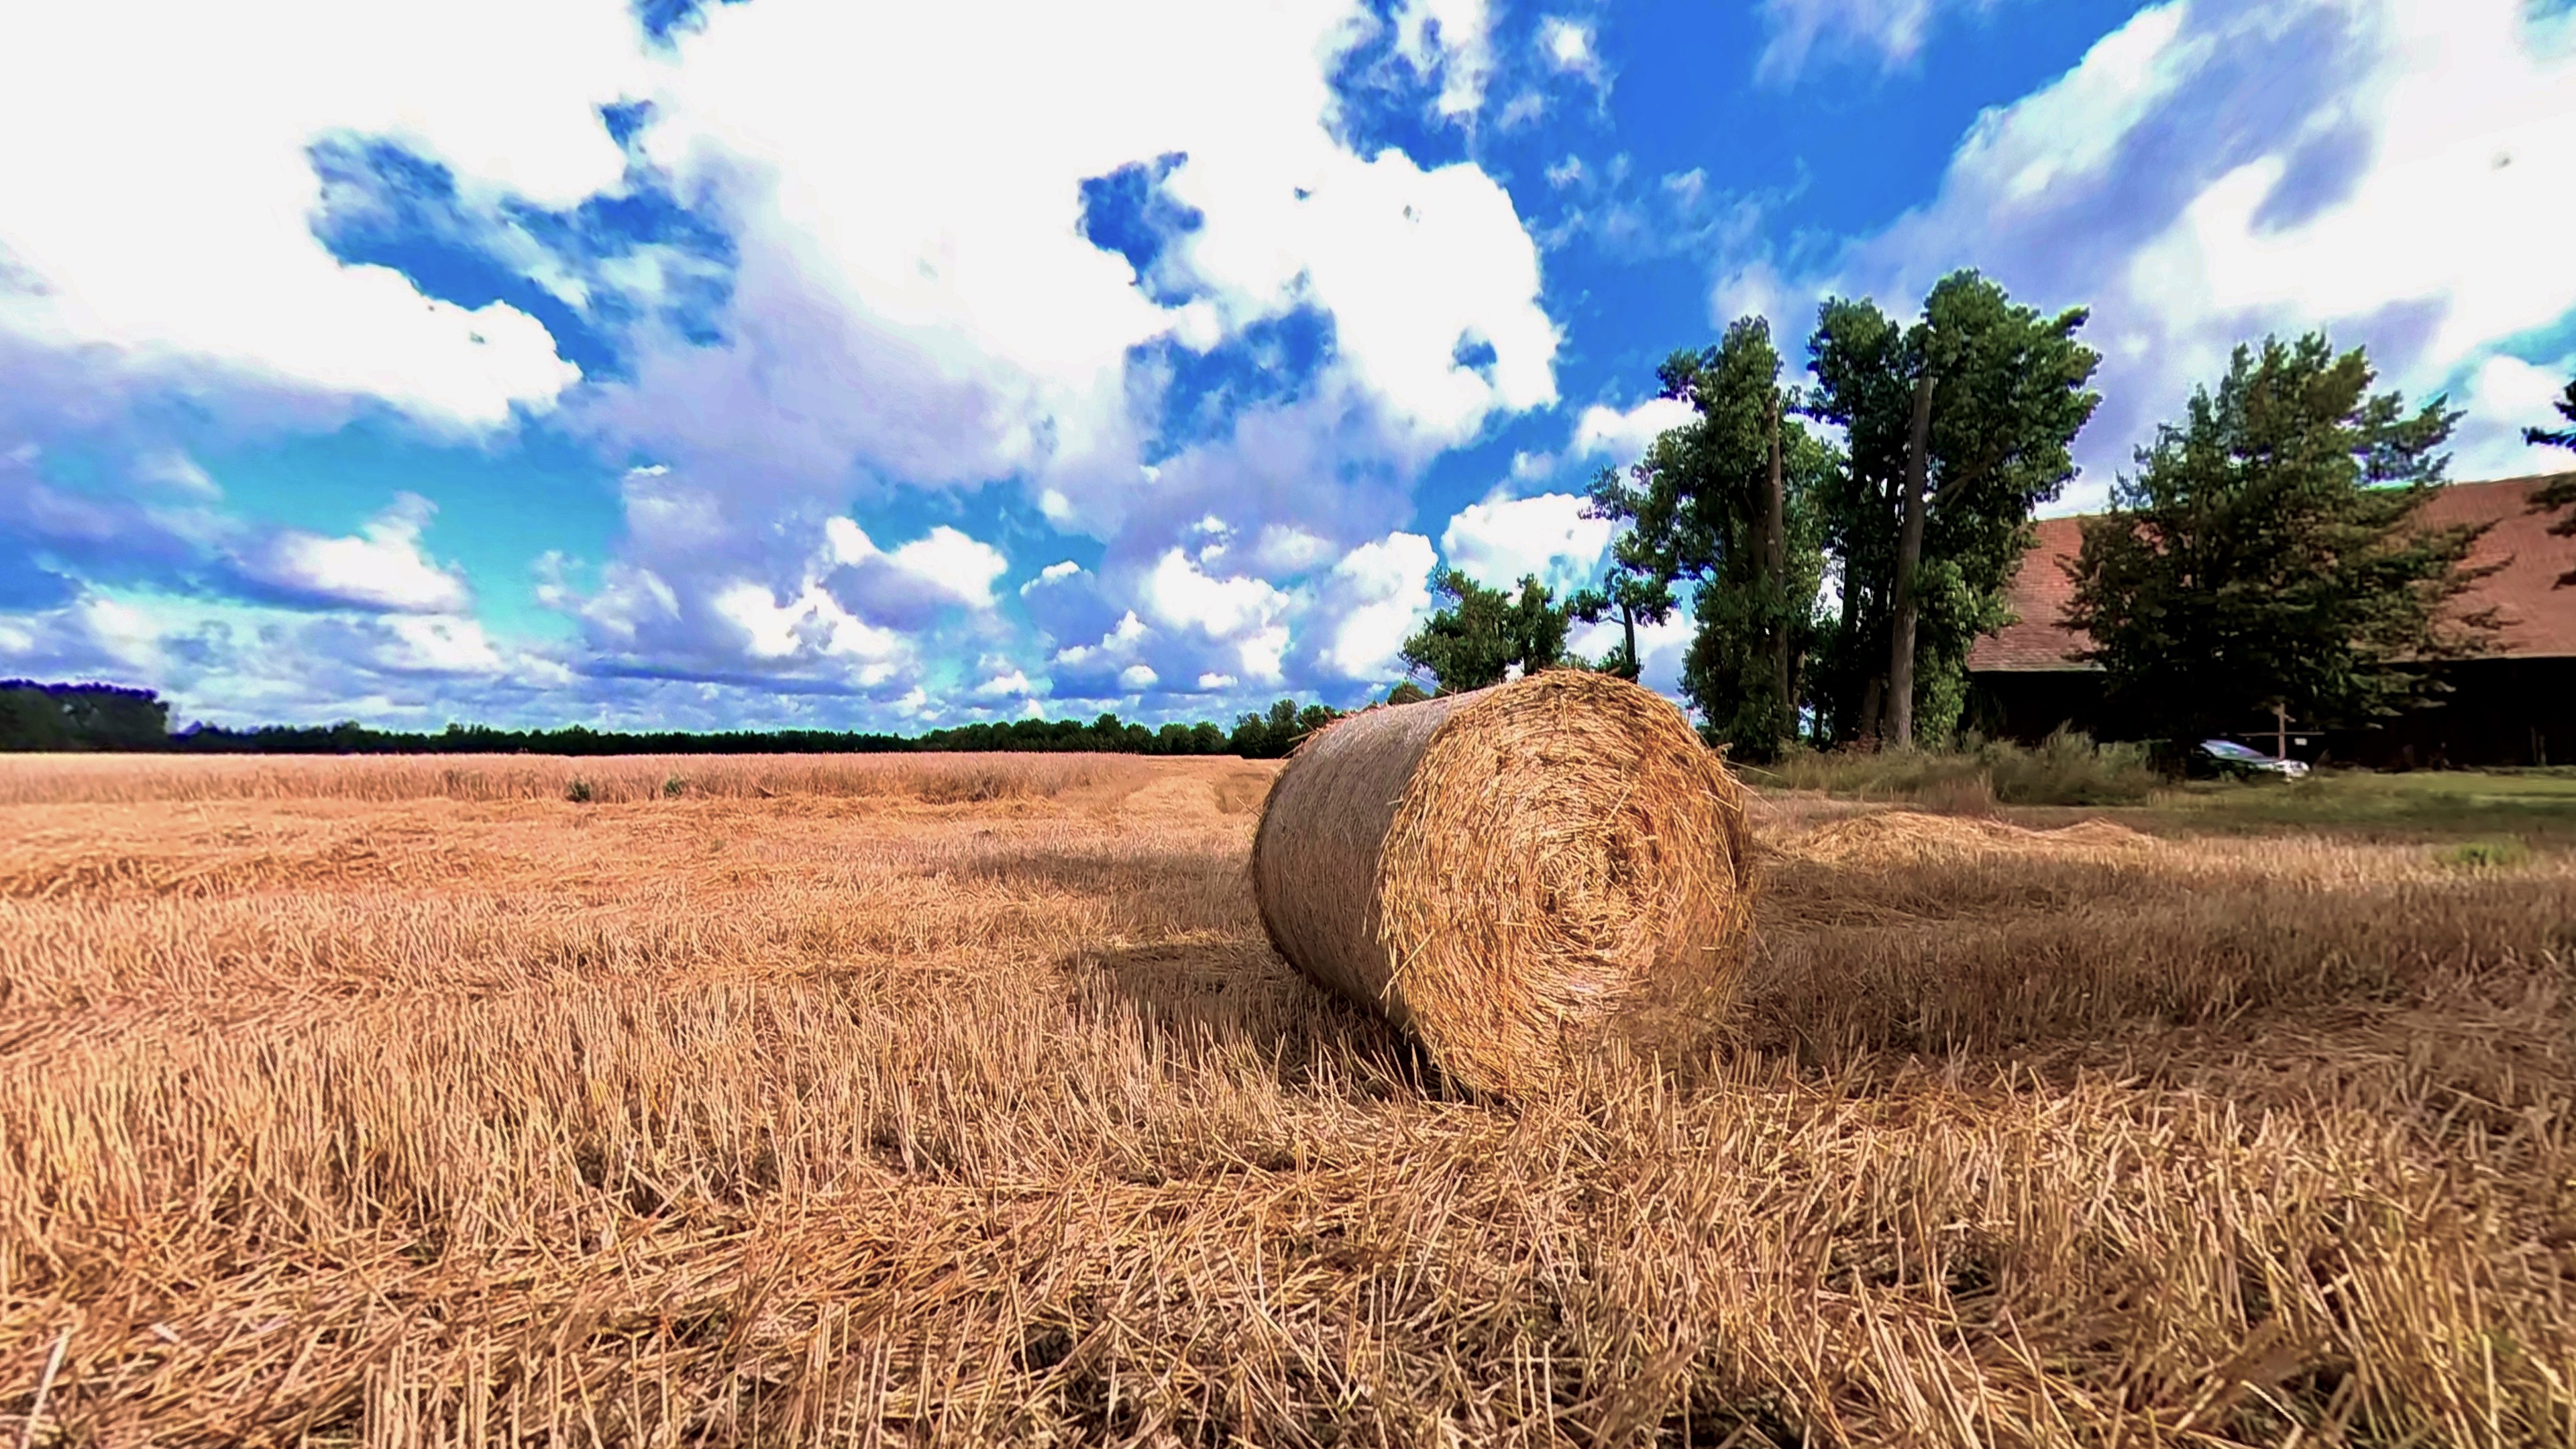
(1775, 563)
(1870, 696)
(1909, 557)
(1628, 621)
(1864, 725)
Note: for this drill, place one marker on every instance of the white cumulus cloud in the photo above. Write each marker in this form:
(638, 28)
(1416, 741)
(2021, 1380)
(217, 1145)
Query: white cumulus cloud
(810, 624)
(1453, 40)
(1498, 543)
(944, 561)
(2392, 172)
(885, 315)
(2506, 395)
(1623, 437)
(1119, 643)
(2472, 143)
(441, 644)
(1061, 569)
(1376, 596)
(882, 325)
(165, 218)
(887, 321)
(382, 566)
(1570, 47)
(1239, 610)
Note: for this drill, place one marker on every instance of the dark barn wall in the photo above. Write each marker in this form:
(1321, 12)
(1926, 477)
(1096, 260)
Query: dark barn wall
(2023, 705)
(2499, 712)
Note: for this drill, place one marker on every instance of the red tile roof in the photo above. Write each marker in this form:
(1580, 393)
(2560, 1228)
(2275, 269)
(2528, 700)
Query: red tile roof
(2539, 620)
(2039, 595)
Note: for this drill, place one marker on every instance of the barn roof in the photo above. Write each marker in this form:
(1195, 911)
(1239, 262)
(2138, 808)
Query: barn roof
(2539, 620)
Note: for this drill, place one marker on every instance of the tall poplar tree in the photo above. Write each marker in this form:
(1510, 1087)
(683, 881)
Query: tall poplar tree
(1722, 505)
(1958, 427)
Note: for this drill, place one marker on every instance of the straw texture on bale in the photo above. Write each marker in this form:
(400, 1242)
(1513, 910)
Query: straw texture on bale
(1506, 871)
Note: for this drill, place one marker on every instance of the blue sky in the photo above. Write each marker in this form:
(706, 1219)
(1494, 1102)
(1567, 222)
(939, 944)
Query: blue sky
(801, 362)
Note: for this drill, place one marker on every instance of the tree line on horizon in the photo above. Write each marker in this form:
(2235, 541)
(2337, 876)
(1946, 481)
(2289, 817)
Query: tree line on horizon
(1842, 546)
(36, 716)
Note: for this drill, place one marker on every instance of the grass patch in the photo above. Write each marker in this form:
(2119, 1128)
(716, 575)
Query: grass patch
(2068, 768)
(2533, 807)
(2485, 855)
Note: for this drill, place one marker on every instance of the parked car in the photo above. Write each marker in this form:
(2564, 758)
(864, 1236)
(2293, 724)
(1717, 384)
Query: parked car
(2242, 762)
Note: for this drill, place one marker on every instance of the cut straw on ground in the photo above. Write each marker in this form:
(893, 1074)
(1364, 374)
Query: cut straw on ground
(857, 1117)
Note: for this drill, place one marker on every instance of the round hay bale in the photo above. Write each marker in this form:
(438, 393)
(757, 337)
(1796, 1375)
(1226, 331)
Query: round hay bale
(1506, 871)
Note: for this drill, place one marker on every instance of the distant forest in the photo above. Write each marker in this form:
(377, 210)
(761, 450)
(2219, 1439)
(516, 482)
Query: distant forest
(36, 716)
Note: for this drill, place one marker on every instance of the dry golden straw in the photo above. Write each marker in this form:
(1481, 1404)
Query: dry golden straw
(1504, 871)
(895, 1102)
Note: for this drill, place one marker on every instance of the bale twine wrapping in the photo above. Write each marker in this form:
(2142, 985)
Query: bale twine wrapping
(1503, 872)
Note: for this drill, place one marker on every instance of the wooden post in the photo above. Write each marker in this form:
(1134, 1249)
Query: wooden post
(2280, 731)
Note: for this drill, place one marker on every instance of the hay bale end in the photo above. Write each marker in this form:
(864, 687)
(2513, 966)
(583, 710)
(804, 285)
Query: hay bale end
(1507, 872)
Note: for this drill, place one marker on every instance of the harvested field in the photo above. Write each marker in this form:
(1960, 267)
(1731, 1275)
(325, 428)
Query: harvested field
(895, 1100)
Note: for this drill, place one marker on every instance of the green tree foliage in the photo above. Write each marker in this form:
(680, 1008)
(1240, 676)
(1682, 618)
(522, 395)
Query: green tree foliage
(2559, 492)
(1958, 427)
(1272, 735)
(80, 717)
(1476, 638)
(1724, 504)
(1407, 692)
(2267, 552)
(1631, 590)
